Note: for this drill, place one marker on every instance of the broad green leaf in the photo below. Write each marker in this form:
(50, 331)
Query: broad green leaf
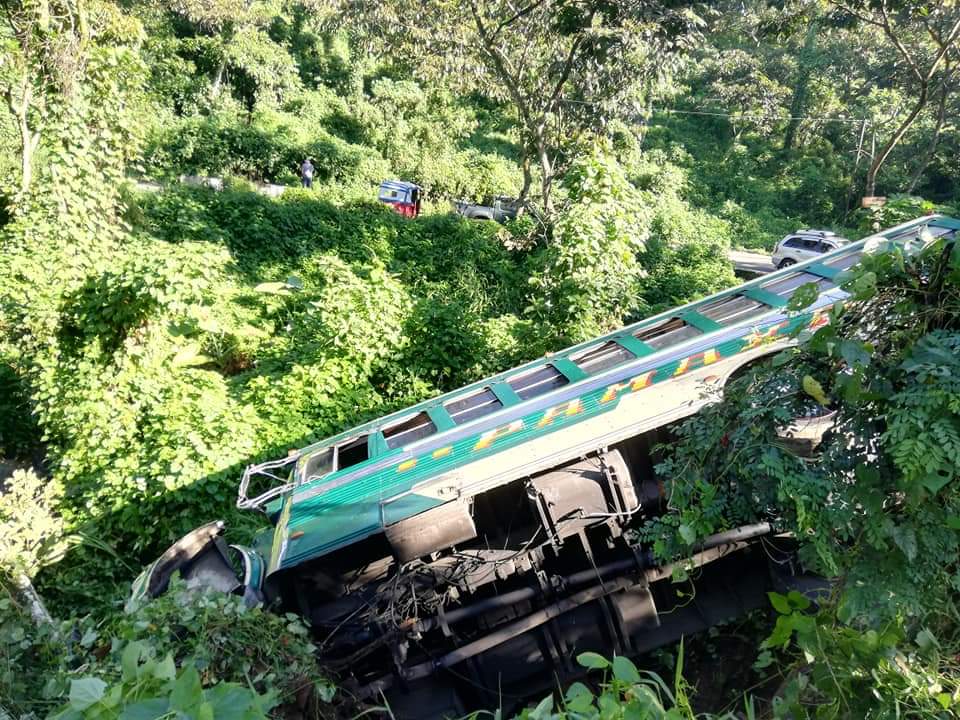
(782, 632)
(803, 296)
(935, 481)
(229, 701)
(926, 640)
(326, 691)
(89, 638)
(190, 356)
(578, 689)
(798, 600)
(688, 534)
(273, 288)
(764, 660)
(780, 603)
(146, 709)
(624, 670)
(593, 661)
(543, 708)
(865, 286)
(165, 669)
(209, 325)
(783, 358)
(854, 353)
(130, 660)
(186, 693)
(905, 539)
(85, 692)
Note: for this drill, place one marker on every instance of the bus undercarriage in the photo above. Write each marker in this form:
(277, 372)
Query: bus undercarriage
(487, 603)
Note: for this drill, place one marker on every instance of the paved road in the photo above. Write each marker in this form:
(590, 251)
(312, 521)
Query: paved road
(750, 262)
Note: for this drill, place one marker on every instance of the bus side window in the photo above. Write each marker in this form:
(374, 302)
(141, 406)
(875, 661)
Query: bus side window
(733, 309)
(352, 452)
(319, 464)
(603, 357)
(415, 428)
(785, 286)
(473, 406)
(537, 382)
(667, 333)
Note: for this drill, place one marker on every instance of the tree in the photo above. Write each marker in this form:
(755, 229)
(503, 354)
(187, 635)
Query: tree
(42, 59)
(923, 35)
(590, 277)
(564, 66)
(947, 87)
(235, 36)
(801, 88)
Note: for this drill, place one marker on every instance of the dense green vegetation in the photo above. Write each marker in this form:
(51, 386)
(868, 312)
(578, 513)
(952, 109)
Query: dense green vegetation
(154, 341)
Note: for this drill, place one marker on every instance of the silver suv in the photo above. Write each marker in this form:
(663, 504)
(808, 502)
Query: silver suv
(804, 245)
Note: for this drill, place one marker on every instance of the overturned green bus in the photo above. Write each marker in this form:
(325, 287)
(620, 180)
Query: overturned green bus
(458, 554)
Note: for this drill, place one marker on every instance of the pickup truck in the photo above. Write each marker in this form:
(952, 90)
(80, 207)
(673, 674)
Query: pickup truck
(497, 208)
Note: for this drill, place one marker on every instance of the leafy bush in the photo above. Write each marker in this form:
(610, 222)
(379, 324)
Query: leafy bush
(852, 673)
(19, 434)
(264, 149)
(898, 209)
(685, 256)
(590, 272)
(151, 688)
(625, 693)
(30, 656)
(31, 533)
(879, 508)
(760, 230)
(178, 652)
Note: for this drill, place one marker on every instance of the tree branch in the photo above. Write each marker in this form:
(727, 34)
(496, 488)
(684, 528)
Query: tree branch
(516, 16)
(932, 147)
(565, 74)
(500, 65)
(945, 48)
(888, 31)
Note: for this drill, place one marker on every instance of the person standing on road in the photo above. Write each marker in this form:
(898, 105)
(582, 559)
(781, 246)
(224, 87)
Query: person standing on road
(306, 173)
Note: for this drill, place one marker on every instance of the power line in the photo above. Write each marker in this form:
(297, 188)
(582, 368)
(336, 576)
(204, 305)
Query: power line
(759, 117)
(752, 116)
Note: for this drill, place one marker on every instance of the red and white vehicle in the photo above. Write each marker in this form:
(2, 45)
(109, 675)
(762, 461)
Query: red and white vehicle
(402, 195)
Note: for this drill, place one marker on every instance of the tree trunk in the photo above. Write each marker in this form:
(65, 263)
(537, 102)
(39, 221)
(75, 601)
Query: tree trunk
(934, 141)
(527, 175)
(852, 190)
(871, 185)
(218, 79)
(38, 610)
(28, 138)
(546, 170)
(800, 90)
(26, 158)
(945, 42)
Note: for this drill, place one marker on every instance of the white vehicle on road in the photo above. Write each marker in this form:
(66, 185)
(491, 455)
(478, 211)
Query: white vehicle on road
(804, 245)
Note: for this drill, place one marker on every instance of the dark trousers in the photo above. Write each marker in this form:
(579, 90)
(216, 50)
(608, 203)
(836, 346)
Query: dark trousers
(307, 182)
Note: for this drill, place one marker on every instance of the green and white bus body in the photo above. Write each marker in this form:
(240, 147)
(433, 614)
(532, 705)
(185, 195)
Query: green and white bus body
(594, 395)
(428, 492)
